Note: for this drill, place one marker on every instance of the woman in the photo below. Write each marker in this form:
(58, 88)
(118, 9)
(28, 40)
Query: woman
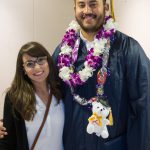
(26, 100)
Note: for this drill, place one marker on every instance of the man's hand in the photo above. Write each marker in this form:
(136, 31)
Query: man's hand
(2, 130)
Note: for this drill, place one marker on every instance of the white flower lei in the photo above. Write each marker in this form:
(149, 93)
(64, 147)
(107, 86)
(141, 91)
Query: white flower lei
(101, 47)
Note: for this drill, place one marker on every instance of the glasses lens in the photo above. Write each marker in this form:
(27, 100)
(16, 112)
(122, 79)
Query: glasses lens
(30, 64)
(42, 60)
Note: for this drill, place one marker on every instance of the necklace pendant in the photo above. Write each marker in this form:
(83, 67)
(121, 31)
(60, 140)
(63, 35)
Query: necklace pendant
(80, 100)
(99, 120)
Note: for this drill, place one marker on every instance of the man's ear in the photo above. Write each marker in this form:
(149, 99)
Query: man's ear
(74, 7)
(106, 7)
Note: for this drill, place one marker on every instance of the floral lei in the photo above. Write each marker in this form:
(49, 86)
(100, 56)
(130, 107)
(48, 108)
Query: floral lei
(98, 54)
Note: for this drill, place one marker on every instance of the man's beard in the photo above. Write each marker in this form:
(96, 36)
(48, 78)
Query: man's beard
(93, 28)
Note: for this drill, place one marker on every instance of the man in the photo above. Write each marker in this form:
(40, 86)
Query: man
(99, 50)
(126, 88)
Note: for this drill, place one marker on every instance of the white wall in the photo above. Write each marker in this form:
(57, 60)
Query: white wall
(25, 20)
(51, 18)
(46, 20)
(134, 20)
(16, 27)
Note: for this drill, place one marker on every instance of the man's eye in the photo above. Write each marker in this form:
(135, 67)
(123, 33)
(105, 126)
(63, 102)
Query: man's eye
(81, 5)
(93, 4)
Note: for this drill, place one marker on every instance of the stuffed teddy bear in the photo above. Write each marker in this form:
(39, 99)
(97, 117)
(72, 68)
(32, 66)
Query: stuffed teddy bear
(98, 121)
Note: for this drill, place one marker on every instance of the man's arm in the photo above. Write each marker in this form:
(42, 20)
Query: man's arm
(138, 80)
(2, 129)
(56, 54)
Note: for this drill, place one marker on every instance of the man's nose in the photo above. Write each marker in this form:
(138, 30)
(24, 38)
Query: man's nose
(87, 9)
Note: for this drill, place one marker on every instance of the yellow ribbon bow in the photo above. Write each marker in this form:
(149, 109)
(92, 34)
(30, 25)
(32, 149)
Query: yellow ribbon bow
(95, 118)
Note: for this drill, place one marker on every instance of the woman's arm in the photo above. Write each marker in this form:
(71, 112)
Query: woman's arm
(8, 142)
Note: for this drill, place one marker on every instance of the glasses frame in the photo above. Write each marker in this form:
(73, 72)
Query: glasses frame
(34, 62)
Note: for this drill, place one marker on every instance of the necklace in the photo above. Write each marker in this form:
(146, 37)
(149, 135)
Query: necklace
(98, 54)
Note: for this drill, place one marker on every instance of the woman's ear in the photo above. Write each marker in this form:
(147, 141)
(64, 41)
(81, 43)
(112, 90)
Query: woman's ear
(24, 71)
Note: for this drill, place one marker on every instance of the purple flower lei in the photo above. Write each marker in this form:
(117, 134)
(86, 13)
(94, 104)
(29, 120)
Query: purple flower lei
(93, 59)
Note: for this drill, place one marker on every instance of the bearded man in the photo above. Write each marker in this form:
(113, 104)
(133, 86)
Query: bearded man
(93, 47)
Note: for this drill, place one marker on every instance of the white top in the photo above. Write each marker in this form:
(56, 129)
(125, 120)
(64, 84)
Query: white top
(89, 44)
(51, 134)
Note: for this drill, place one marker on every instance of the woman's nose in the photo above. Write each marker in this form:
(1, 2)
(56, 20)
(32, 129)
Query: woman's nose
(37, 66)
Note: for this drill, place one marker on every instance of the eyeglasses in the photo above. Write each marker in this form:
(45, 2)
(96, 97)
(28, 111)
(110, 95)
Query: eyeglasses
(40, 61)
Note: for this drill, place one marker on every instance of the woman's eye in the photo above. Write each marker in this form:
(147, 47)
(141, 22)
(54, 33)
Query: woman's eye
(40, 60)
(30, 64)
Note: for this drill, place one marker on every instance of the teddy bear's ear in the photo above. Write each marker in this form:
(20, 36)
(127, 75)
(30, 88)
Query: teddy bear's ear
(104, 102)
(93, 103)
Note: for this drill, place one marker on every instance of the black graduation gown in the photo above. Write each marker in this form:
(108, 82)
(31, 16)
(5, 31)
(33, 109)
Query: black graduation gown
(128, 92)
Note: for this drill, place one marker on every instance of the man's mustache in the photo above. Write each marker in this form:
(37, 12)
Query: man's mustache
(88, 15)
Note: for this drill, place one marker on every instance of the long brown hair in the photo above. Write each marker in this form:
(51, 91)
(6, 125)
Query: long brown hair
(22, 92)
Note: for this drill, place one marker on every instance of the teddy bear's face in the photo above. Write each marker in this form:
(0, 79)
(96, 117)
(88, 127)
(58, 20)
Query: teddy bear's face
(100, 109)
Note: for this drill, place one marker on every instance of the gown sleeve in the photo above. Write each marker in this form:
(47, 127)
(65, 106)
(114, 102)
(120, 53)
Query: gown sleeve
(138, 81)
(55, 59)
(55, 54)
